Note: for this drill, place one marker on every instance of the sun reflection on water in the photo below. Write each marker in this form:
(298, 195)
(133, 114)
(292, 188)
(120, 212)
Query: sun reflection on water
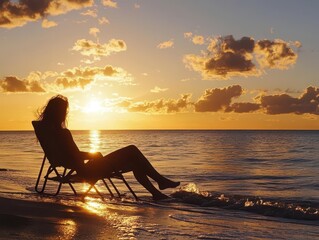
(95, 140)
(95, 206)
(121, 217)
(67, 228)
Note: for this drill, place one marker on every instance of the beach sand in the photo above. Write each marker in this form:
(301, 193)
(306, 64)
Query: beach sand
(23, 219)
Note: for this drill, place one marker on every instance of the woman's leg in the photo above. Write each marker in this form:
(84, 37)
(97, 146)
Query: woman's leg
(150, 171)
(131, 158)
(146, 183)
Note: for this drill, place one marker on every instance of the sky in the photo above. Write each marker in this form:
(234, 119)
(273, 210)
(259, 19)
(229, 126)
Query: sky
(169, 64)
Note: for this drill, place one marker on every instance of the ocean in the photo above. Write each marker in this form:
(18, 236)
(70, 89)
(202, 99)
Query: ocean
(234, 184)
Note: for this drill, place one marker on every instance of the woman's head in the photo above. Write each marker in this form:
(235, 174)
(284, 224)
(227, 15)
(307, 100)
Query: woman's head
(55, 111)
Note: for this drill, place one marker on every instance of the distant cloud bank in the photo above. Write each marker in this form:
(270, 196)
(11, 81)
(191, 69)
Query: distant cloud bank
(308, 102)
(75, 78)
(158, 106)
(219, 99)
(222, 100)
(212, 100)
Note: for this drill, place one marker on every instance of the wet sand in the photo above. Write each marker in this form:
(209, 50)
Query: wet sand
(23, 219)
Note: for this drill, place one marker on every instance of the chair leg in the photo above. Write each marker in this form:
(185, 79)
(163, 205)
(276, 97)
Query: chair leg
(49, 171)
(107, 187)
(115, 188)
(39, 177)
(73, 189)
(60, 183)
(129, 187)
(86, 192)
(98, 192)
(53, 169)
(70, 184)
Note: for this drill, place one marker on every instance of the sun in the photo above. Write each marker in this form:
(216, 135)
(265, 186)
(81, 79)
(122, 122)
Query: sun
(93, 106)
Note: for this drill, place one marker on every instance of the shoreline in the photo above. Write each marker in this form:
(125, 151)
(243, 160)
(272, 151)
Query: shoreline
(24, 219)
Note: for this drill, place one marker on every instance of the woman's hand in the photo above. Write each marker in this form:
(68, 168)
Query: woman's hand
(95, 155)
(90, 155)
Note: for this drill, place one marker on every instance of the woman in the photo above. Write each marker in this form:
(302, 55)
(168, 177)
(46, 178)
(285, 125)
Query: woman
(130, 158)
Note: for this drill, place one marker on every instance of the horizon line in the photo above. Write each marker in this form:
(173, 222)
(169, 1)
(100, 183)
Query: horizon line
(174, 129)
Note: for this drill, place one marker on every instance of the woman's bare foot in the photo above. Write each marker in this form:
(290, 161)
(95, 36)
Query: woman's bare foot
(168, 184)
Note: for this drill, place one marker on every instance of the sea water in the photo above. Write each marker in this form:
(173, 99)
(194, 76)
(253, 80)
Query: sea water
(234, 184)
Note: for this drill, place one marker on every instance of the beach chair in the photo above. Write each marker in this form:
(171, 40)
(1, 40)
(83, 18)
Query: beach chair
(62, 174)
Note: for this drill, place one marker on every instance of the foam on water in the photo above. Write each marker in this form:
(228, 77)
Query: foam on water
(268, 207)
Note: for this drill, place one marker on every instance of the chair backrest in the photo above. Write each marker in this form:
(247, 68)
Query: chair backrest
(47, 143)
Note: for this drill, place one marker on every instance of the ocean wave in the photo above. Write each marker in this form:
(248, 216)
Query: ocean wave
(269, 207)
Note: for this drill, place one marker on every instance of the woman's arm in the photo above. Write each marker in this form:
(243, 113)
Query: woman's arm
(90, 155)
(72, 156)
(74, 151)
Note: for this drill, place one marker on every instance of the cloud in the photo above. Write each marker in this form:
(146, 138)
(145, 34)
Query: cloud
(66, 82)
(167, 44)
(74, 78)
(90, 12)
(109, 3)
(90, 48)
(226, 57)
(82, 77)
(244, 107)
(48, 24)
(213, 100)
(297, 44)
(198, 40)
(221, 100)
(158, 106)
(275, 54)
(48, 74)
(217, 99)
(103, 21)
(94, 31)
(87, 61)
(308, 102)
(13, 84)
(157, 89)
(188, 34)
(18, 13)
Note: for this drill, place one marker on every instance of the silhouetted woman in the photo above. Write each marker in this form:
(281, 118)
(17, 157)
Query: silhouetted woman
(130, 158)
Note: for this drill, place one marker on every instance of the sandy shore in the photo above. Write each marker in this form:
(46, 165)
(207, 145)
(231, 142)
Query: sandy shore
(23, 219)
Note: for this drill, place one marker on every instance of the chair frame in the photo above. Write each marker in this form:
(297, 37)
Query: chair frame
(68, 177)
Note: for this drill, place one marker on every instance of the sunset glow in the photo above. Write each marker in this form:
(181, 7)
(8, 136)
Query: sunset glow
(178, 64)
(93, 106)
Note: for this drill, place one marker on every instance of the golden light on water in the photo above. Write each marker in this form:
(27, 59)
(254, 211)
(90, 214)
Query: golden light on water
(67, 228)
(95, 206)
(121, 217)
(94, 140)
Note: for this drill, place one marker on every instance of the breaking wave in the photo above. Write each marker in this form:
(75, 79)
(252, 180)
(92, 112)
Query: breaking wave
(301, 210)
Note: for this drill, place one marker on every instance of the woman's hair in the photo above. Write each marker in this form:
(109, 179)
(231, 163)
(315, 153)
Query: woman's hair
(55, 111)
